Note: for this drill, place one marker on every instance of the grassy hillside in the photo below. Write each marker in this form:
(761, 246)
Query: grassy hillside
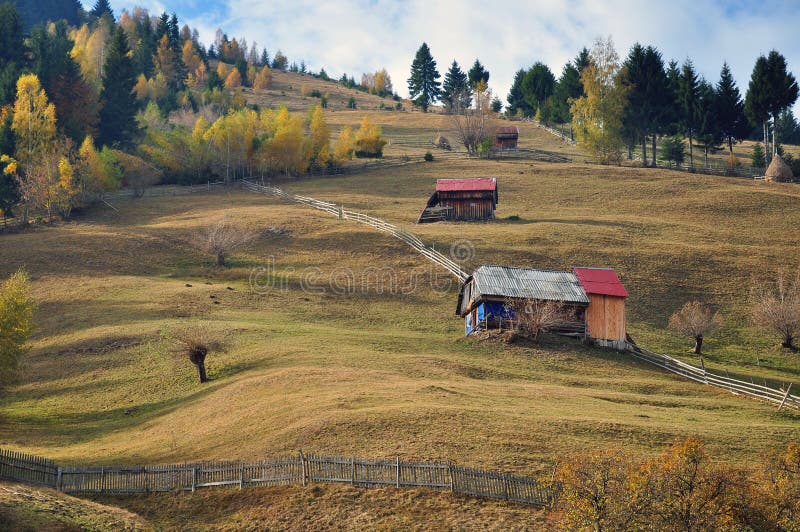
(28, 509)
(373, 372)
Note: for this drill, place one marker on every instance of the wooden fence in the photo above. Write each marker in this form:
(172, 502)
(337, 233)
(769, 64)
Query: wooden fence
(381, 225)
(299, 469)
(781, 396)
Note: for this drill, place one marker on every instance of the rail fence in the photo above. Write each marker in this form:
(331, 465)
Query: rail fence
(299, 469)
(778, 396)
(376, 223)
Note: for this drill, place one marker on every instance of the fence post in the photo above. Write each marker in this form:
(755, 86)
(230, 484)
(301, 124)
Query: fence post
(102, 478)
(505, 487)
(450, 470)
(352, 470)
(58, 479)
(786, 395)
(303, 466)
(397, 471)
(194, 478)
(241, 476)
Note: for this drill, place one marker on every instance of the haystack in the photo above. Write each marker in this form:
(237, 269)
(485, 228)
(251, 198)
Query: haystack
(778, 170)
(441, 142)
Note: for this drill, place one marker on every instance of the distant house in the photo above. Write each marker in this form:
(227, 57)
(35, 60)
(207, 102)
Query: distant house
(506, 138)
(461, 200)
(595, 296)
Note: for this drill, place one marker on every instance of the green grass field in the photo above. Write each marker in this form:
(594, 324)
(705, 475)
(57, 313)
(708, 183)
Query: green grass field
(369, 373)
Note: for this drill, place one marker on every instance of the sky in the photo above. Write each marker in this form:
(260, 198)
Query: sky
(357, 36)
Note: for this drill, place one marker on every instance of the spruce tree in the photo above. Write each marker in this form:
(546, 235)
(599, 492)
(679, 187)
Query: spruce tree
(12, 51)
(756, 102)
(649, 96)
(730, 109)
(783, 91)
(117, 123)
(709, 136)
(515, 99)
(477, 74)
(101, 8)
(537, 85)
(423, 85)
(567, 87)
(456, 90)
(688, 100)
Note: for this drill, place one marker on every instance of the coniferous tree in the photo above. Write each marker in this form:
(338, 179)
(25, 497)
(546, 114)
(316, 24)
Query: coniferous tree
(477, 74)
(649, 100)
(756, 102)
(515, 98)
(117, 124)
(264, 61)
(783, 91)
(12, 51)
(101, 8)
(568, 87)
(34, 12)
(674, 89)
(537, 85)
(709, 136)
(688, 100)
(423, 85)
(456, 90)
(730, 109)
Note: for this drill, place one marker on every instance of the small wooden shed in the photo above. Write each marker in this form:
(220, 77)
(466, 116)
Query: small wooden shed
(506, 138)
(461, 200)
(605, 315)
(483, 298)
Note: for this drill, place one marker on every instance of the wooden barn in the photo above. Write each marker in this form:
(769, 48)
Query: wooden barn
(605, 316)
(506, 138)
(484, 294)
(595, 296)
(461, 200)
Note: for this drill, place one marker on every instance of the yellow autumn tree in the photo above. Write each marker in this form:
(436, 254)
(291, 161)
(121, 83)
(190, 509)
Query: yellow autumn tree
(263, 79)
(234, 80)
(231, 140)
(89, 50)
(223, 69)
(345, 144)
(597, 116)
(98, 169)
(34, 122)
(66, 189)
(368, 141)
(285, 150)
(319, 139)
(193, 63)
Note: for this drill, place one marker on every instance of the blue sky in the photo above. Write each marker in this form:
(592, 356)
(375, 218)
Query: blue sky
(356, 36)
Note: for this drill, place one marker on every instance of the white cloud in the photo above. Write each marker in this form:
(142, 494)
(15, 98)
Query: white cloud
(356, 36)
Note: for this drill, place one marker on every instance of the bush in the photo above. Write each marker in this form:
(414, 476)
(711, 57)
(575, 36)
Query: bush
(351, 103)
(428, 156)
(757, 158)
(316, 93)
(673, 150)
(16, 322)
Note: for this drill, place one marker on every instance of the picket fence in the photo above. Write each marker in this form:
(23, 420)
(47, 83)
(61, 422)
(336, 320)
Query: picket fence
(376, 223)
(299, 469)
(779, 396)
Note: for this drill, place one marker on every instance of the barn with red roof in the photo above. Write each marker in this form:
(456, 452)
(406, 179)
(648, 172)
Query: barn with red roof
(472, 199)
(605, 315)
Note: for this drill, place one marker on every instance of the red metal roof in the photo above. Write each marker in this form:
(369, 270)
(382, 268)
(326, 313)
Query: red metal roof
(601, 281)
(481, 183)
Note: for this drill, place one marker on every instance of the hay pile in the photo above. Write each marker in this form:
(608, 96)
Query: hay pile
(778, 171)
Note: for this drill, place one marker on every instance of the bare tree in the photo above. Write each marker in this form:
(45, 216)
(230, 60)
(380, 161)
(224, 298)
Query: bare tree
(221, 238)
(470, 122)
(534, 316)
(778, 309)
(193, 342)
(696, 321)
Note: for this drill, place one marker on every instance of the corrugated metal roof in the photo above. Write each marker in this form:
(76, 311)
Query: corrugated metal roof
(601, 281)
(481, 183)
(507, 281)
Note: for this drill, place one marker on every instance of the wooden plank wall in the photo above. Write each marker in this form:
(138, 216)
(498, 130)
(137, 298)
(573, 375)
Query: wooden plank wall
(605, 317)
